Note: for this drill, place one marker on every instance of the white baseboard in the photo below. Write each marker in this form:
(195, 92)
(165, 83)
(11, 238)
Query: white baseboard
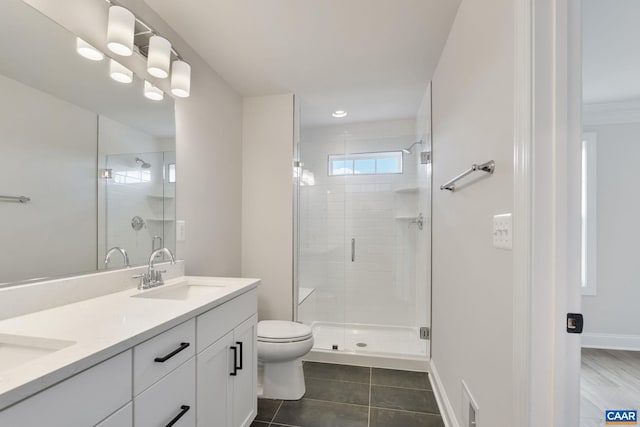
(448, 415)
(611, 341)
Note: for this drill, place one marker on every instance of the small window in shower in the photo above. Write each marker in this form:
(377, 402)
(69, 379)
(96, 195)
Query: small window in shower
(387, 162)
(172, 173)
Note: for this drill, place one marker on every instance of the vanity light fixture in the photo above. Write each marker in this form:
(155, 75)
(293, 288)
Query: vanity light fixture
(119, 72)
(159, 57)
(152, 92)
(338, 114)
(85, 50)
(126, 33)
(120, 29)
(180, 79)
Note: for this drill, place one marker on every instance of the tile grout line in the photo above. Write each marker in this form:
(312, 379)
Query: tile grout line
(370, 385)
(338, 381)
(406, 410)
(404, 388)
(276, 413)
(337, 403)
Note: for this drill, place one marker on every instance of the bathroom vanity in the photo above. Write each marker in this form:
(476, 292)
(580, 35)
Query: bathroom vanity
(130, 358)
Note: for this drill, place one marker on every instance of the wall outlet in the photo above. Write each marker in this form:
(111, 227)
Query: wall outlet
(181, 230)
(503, 231)
(470, 412)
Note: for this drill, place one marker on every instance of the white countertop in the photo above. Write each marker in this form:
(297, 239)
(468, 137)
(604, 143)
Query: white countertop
(102, 327)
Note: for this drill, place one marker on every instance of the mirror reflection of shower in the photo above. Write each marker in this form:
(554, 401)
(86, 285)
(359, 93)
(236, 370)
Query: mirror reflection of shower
(138, 190)
(408, 149)
(142, 163)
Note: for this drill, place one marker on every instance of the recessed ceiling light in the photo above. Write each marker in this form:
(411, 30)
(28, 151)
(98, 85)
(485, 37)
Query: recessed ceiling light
(339, 114)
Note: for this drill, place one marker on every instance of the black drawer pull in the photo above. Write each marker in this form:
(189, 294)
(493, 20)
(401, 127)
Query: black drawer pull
(239, 366)
(183, 345)
(235, 357)
(184, 409)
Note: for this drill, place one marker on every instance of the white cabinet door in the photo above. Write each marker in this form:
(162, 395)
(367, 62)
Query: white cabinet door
(214, 383)
(172, 399)
(121, 418)
(245, 384)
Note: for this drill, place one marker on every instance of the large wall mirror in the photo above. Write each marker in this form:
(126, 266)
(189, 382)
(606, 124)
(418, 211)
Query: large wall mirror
(95, 158)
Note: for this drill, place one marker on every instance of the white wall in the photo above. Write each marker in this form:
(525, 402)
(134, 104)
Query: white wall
(473, 101)
(267, 201)
(49, 154)
(365, 207)
(613, 310)
(208, 140)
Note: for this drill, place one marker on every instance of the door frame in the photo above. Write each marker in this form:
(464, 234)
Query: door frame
(548, 86)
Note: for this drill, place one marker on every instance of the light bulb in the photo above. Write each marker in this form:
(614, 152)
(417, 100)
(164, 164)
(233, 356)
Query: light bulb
(180, 79)
(87, 51)
(120, 31)
(159, 57)
(119, 72)
(152, 92)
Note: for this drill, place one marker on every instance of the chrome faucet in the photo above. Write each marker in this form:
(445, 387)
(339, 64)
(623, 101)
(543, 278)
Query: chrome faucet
(152, 277)
(117, 249)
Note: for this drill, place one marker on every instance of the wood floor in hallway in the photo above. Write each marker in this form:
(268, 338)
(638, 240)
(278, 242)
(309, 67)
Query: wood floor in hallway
(610, 379)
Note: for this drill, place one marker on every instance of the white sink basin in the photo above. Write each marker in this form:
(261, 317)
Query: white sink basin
(181, 291)
(18, 349)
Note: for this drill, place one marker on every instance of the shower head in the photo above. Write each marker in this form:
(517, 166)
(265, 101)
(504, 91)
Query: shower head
(408, 149)
(142, 163)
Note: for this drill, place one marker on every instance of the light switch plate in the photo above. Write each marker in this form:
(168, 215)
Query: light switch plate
(181, 232)
(503, 231)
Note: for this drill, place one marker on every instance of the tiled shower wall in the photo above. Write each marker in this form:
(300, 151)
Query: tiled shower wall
(379, 287)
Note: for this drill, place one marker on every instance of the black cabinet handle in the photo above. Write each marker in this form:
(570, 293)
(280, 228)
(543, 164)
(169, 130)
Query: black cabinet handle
(183, 410)
(183, 345)
(235, 357)
(239, 366)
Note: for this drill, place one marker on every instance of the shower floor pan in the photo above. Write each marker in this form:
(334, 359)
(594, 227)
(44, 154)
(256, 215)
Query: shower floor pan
(370, 339)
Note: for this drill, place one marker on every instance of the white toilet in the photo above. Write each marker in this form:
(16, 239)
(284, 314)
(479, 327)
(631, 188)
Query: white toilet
(281, 345)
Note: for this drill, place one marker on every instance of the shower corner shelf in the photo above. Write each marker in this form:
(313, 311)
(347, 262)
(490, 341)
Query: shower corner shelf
(304, 293)
(407, 190)
(406, 217)
(159, 196)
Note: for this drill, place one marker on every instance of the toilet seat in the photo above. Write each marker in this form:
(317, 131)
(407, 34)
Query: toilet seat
(280, 331)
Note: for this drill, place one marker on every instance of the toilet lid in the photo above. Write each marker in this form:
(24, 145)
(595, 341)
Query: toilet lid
(282, 331)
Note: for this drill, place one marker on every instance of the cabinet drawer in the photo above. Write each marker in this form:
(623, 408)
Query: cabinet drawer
(80, 401)
(172, 396)
(155, 358)
(215, 323)
(121, 418)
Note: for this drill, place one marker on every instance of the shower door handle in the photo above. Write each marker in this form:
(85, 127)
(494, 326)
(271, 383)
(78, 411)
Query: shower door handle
(353, 249)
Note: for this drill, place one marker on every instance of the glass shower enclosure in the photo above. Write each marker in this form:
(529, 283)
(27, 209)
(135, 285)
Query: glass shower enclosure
(363, 238)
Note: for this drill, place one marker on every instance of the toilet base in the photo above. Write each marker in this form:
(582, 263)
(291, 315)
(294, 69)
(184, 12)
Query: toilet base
(282, 380)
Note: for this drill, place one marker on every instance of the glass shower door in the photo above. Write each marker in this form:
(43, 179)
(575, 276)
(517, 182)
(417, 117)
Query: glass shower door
(321, 234)
(381, 228)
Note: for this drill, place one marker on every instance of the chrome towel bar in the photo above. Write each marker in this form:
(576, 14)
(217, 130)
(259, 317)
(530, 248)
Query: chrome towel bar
(487, 167)
(21, 199)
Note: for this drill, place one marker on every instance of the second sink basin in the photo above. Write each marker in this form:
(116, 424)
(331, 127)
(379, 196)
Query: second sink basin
(18, 349)
(180, 291)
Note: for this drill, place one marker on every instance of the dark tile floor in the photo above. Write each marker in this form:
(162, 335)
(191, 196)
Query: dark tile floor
(355, 396)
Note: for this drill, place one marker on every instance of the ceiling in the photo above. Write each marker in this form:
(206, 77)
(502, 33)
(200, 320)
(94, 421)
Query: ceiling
(372, 58)
(611, 51)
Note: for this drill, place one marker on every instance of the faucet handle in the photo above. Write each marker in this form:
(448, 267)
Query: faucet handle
(145, 279)
(158, 277)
